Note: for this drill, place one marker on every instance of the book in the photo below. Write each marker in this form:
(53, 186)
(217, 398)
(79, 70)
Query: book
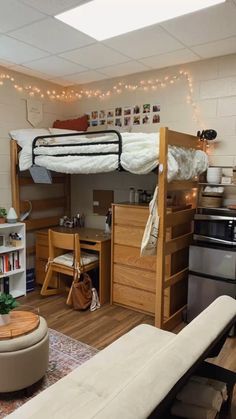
(6, 285)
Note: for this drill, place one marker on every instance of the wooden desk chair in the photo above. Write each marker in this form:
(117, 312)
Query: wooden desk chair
(73, 262)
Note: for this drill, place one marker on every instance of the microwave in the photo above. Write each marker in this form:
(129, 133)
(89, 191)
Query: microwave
(215, 229)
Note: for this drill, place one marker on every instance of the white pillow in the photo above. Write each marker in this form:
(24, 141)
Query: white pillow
(120, 129)
(26, 136)
(64, 140)
(97, 128)
(59, 131)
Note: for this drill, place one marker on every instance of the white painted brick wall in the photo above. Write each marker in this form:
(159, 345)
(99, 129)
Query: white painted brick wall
(214, 84)
(227, 106)
(214, 92)
(13, 116)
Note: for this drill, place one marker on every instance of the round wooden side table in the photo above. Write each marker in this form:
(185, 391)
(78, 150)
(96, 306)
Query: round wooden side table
(24, 351)
(21, 323)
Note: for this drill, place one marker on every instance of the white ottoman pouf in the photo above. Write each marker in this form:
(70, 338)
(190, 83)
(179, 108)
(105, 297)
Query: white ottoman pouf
(24, 359)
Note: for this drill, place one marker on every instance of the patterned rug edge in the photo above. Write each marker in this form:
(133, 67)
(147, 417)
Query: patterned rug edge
(65, 354)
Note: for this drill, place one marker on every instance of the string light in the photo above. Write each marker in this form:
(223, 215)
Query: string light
(71, 95)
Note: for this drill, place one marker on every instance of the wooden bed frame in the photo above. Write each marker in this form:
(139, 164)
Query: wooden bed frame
(21, 183)
(166, 247)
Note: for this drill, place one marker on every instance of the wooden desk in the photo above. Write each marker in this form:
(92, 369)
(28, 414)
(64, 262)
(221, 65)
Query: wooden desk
(90, 239)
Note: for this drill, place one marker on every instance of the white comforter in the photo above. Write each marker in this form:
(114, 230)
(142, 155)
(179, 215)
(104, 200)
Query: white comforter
(140, 154)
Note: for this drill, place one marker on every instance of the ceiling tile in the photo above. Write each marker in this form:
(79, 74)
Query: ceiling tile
(14, 14)
(18, 52)
(172, 58)
(86, 77)
(52, 35)
(29, 34)
(144, 42)
(207, 25)
(53, 7)
(61, 81)
(6, 63)
(55, 66)
(217, 48)
(95, 56)
(30, 72)
(124, 69)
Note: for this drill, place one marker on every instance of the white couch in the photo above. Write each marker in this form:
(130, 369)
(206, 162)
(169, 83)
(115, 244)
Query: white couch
(135, 374)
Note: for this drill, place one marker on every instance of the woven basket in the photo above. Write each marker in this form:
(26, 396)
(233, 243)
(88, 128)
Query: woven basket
(211, 201)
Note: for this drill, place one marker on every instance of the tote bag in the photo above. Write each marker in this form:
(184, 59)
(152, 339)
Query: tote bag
(81, 294)
(149, 240)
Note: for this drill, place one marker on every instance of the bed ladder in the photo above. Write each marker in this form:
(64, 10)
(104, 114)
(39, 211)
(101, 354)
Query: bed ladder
(181, 222)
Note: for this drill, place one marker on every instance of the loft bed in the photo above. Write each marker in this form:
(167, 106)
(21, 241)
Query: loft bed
(171, 147)
(106, 151)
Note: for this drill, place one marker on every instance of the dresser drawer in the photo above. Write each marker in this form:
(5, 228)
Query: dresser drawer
(130, 236)
(134, 298)
(42, 239)
(42, 251)
(131, 256)
(135, 278)
(131, 216)
(40, 270)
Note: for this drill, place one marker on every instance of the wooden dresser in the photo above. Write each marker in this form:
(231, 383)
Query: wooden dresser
(134, 277)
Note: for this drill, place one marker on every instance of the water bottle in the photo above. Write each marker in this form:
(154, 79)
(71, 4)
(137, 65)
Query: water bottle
(144, 196)
(131, 195)
(140, 195)
(136, 197)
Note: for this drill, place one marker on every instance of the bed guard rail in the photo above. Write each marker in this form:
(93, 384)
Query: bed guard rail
(117, 141)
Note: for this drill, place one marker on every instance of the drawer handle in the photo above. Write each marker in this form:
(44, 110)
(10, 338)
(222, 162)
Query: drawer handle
(88, 243)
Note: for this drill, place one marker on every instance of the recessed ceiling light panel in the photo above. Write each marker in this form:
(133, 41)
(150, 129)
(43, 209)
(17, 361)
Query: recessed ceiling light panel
(103, 19)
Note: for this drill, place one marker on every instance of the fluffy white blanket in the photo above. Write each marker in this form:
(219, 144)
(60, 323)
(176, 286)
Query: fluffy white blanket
(140, 154)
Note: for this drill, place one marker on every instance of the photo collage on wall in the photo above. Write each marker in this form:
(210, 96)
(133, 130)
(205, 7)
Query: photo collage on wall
(126, 116)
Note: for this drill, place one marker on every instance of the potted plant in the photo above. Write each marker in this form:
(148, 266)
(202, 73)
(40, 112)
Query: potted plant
(3, 214)
(7, 303)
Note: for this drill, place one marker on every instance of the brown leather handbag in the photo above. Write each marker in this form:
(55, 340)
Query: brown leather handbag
(81, 293)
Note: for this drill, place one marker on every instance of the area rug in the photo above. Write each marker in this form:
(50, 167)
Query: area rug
(65, 355)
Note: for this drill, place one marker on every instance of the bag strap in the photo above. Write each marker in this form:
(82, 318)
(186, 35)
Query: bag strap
(77, 272)
(48, 263)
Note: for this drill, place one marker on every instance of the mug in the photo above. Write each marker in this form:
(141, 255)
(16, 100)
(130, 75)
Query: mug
(214, 174)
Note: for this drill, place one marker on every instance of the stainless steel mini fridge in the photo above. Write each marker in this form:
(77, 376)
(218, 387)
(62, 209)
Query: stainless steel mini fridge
(212, 272)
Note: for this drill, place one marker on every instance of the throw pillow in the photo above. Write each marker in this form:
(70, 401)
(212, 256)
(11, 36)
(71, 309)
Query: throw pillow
(77, 124)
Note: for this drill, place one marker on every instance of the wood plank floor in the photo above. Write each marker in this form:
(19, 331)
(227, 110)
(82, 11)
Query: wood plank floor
(102, 327)
(98, 328)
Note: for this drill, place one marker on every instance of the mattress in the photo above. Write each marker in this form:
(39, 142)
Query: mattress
(99, 154)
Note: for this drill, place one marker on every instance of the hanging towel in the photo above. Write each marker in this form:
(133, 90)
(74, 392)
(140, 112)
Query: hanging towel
(190, 411)
(200, 395)
(150, 235)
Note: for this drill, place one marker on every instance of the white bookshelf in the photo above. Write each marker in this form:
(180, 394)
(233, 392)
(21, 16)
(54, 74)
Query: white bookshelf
(12, 260)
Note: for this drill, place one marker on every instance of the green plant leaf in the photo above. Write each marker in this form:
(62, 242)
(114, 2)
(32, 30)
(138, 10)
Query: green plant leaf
(7, 303)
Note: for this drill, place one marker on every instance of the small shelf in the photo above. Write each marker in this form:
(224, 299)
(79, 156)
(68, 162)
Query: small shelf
(7, 249)
(232, 185)
(12, 257)
(226, 210)
(9, 273)
(11, 225)
(17, 293)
